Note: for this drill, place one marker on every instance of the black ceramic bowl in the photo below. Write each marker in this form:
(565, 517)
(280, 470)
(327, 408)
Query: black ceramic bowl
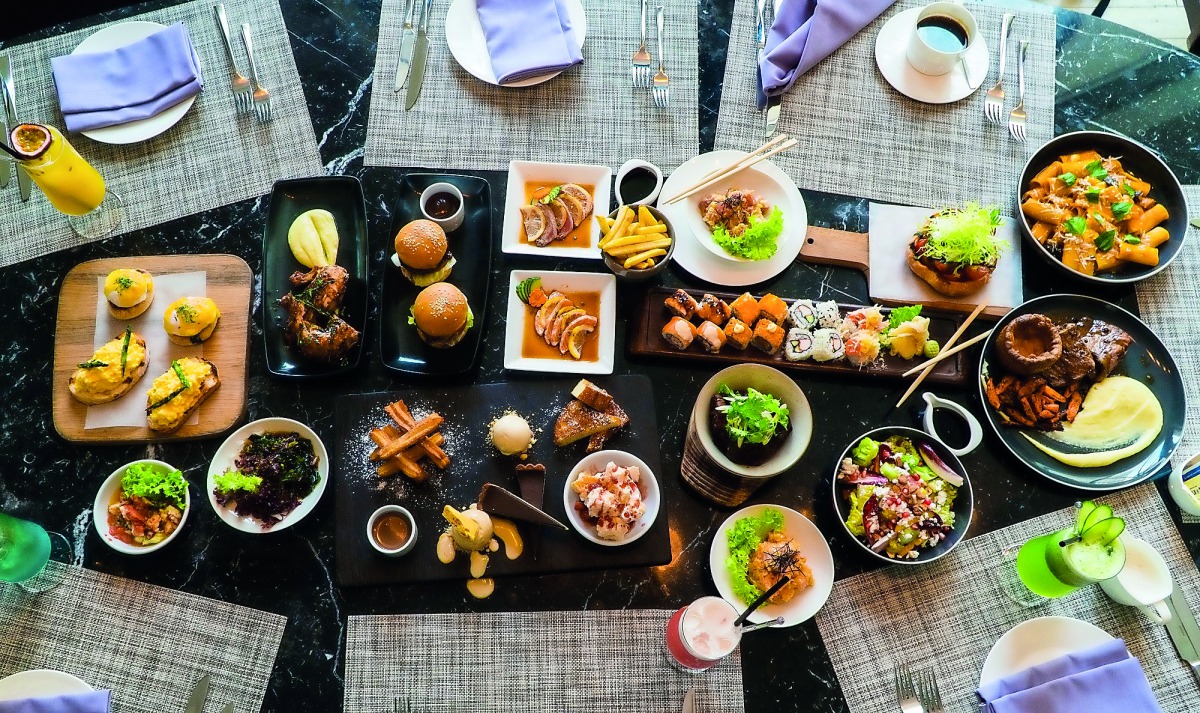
(634, 274)
(1138, 160)
(964, 503)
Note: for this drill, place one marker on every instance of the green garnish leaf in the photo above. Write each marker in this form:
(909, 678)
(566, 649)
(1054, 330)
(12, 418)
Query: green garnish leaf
(1132, 240)
(1096, 169)
(183, 380)
(1067, 178)
(160, 487)
(900, 315)
(1104, 241)
(232, 481)
(1075, 225)
(412, 319)
(744, 538)
(551, 196)
(187, 313)
(124, 283)
(92, 364)
(759, 240)
(752, 417)
(1129, 189)
(964, 236)
(1121, 210)
(1092, 194)
(526, 287)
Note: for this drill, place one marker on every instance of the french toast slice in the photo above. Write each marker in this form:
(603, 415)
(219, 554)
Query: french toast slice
(578, 420)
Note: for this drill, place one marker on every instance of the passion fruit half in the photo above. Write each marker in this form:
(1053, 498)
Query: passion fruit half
(30, 140)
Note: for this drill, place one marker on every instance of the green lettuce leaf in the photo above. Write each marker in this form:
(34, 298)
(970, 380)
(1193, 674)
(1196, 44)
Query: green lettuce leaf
(744, 538)
(159, 487)
(759, 240)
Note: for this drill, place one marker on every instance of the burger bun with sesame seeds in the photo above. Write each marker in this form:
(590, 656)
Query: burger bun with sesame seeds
(441, 315)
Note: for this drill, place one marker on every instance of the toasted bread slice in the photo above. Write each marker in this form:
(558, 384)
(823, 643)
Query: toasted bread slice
(170, 401)
(578, 420)
(102, 379)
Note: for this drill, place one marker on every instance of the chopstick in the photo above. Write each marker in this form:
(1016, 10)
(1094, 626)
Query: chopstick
(948, 353)
(778, 139)
(949, 343)
(726, 172)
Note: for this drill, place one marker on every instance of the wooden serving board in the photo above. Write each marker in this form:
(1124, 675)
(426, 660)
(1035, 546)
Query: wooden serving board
(229, 281)
(645, 339)
(473, 461)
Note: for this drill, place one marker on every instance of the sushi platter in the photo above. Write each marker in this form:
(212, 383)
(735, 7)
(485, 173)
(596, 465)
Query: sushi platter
(646, 338)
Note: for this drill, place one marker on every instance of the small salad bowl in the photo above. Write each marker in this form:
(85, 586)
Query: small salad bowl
(596, 463)
(105, 496)
(762, 184)
(964, 502)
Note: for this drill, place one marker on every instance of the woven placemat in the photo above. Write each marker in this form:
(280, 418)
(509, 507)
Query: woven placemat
(147, 644)
(212, 157)
(588, 114)
(948, 614)
(534, 662)
(859, 136)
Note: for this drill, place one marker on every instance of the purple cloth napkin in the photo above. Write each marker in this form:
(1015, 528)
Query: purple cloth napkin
(807, 31)
(133, 82)
(90, 702)
(526, 38)
(1103, 679)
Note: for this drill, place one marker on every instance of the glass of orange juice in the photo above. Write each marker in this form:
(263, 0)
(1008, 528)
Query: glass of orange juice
(69, 182)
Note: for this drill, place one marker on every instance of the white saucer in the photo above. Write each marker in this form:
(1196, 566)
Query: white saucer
(694, 257)
(40, 682)
(464, 37)
(891, 46)
(1037, 641)
(110, 38)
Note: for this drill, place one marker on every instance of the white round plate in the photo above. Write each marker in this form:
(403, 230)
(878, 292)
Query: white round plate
(891, 46)
(1037, 641)
(465, 38)
(228, 453)
(110, 38)
(763, 185)
(694, 257)
(816, 552)
(595, 463)
(40, 682)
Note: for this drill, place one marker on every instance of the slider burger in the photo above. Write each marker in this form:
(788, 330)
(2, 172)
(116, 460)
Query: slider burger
(441, 315)
(956, 250)
(421, 253)
(129, 292)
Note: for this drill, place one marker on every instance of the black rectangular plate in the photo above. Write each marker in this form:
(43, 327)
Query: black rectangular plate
(400, 349)
(343, 197)
(468, 412)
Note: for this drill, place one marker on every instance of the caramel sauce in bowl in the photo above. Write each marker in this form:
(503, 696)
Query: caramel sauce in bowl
(392, 530)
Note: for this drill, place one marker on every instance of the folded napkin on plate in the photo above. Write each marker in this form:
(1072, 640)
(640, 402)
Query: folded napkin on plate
(133, 82)
(806, 32)
(526, 38)
(90, 702)
(1103, 679)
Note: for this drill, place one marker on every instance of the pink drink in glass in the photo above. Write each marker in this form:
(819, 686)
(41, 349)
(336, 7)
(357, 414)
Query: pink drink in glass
(702, 633)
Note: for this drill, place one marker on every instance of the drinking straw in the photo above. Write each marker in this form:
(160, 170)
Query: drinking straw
(761, 598)
(8, 150)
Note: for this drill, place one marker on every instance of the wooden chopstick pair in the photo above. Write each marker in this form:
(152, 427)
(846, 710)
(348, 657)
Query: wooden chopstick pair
(947, 351)
(762, 153)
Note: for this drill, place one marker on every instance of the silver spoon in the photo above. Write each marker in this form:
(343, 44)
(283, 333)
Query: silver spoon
(762, 625)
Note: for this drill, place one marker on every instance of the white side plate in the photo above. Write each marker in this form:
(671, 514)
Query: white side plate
(40, 682)
(465, 38)
(1037, 641)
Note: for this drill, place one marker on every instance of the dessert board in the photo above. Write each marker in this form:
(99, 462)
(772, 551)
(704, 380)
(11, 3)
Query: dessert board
(644, 338)
(468, 413)
(228, 283)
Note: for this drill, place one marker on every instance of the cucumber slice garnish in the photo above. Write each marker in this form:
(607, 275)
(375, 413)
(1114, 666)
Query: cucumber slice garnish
(1085, 508)
(1103, 532)
(526, 286)
(1100, 513)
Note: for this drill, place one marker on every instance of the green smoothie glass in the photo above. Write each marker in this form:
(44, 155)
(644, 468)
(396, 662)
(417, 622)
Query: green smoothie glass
(25, 549)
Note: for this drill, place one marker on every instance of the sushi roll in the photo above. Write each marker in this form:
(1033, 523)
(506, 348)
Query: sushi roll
(768, 336)
(828, 316)
(862, 347)
(745, 308)
(679, 333)
(799, 344)
(713, 309)
(773, 308)
(802, 314)
(827, 345)
(870, 319)
(710, 336)
(738, 333)
(681, 304)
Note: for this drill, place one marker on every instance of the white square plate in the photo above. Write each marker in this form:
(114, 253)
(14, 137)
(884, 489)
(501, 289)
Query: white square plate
(606, 331)
(522, 172)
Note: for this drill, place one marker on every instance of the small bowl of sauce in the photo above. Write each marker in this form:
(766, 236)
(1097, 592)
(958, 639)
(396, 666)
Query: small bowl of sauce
(392, 531)
(443, 204)
(638, 183)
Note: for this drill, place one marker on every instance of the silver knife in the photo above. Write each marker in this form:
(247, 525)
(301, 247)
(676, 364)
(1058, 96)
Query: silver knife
(5, 166)
(419, 55)
(773, 102)
(195, 703)
(408, 41)
(1184, 631)
(10, 110)
(228, 708)
(689, 701)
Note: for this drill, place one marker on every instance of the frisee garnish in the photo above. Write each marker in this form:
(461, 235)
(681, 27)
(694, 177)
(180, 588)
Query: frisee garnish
(151, 482)
(965, 236)
(759, 242)
(752, 417)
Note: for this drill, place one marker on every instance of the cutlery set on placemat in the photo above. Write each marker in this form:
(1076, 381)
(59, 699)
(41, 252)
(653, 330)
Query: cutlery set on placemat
(248, 94)
(993, 104)
(657, 82)
(414, 51)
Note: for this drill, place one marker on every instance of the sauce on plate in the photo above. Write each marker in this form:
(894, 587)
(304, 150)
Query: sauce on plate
(580, 236)
(534, 347)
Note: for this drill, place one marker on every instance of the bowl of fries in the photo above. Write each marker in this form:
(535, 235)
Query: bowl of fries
(636, 241)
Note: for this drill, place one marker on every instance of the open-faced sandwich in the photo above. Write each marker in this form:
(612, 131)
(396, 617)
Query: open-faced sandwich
(191, 320)
(178, 392)
(956, 250)
(112, 370)
(129, 292)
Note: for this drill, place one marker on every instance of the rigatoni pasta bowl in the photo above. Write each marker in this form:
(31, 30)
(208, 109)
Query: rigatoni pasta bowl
(1108, 211)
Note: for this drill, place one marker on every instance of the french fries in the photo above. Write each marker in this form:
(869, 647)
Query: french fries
(634, 237)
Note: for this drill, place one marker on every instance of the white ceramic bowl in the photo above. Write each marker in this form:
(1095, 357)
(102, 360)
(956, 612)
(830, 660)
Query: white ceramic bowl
(595, 463)
(105, 495)
(412, 528)
(228, 453)
(763, 185)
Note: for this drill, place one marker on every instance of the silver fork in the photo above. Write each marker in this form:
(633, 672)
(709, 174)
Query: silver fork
(906, 695)
(1016, 120)
(662, 85)
(993, 105)
(261, 97)
(641, 58)
(398, 707)
(238, 83)
(928, 692)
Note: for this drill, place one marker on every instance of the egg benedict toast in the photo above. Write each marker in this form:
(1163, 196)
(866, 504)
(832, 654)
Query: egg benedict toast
(129, 292)
(112, 370)
(191, 320)
(178, 392)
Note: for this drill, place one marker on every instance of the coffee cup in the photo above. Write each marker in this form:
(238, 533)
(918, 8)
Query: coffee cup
(943, 33)
(1144, 582)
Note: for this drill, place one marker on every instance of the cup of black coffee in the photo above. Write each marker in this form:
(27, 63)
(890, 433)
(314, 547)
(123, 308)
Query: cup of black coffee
(943, 33)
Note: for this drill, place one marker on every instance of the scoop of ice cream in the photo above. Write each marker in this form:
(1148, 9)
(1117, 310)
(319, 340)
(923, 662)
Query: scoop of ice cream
(511, 434)
(470, 529)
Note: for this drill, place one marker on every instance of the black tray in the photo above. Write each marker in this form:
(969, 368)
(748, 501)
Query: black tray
(474, 461)
(400, 349)
(343, 197)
